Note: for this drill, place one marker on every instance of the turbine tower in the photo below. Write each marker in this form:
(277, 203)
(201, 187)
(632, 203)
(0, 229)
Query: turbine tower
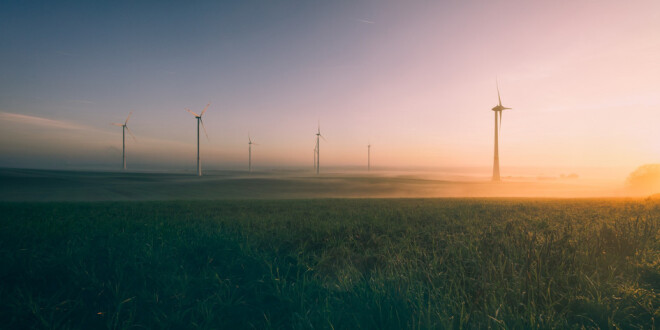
(315, 157)
(369, 157)
(199, 121)
(497, 109)
(318, 158)
(124, 128)
(250, 143)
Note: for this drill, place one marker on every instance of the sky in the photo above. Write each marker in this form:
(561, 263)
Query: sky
(415, 79)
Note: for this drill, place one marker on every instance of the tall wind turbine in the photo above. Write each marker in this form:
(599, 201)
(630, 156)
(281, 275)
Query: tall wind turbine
(369, 157)
(124, 128)
(497, 109)
(199, 121)
(250, 143)
(318, 158)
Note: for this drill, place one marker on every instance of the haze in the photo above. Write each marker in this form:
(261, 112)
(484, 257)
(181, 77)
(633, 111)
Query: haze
(416, 79)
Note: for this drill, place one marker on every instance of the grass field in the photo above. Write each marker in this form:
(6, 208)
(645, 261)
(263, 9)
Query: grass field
(331, 263)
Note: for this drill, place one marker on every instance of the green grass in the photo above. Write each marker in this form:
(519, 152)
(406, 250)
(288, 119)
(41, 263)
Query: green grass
(343, 264)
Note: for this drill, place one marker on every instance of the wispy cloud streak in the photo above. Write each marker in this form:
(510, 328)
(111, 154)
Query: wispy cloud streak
(40, 121)
(82, 101)
(365, 21)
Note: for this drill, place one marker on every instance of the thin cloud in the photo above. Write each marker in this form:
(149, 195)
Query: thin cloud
(365, 21)
(40, 121)
(63, 53)
(82, 101)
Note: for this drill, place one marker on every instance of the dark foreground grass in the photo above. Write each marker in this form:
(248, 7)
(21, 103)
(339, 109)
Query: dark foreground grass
(380, 264)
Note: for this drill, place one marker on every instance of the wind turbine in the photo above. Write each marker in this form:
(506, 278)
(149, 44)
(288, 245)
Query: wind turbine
(318, 158)
(369, 157)
(497, 109)
(124, 128)
(199, 121)
(250, 143)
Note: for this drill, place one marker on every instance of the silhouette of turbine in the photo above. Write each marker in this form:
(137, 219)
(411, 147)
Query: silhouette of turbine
(199, 121)
(250, 143)
(124, 128)
(497, 109)
(318, 158)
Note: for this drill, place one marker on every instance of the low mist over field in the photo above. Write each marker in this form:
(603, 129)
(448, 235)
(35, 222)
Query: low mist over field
(48, 185)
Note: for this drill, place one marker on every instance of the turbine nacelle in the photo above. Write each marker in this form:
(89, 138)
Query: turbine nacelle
(125, 125)
(318, 132)
(499, 107)
(250, 141)
(194, 114)
(199, 117)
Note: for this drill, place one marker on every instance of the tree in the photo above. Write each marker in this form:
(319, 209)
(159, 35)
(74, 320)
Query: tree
(645, 179)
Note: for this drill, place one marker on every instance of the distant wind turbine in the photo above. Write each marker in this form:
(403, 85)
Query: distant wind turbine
(250, 143)
(318, 158)
(497, 109)
(124, 128)
(199, 121)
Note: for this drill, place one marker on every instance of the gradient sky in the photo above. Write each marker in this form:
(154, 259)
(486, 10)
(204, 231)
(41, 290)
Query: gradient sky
(414, 78)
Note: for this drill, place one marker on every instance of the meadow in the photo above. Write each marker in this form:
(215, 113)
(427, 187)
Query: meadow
(331, 263)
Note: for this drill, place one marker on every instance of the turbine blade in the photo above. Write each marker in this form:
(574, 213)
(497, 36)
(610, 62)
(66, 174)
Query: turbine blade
(500, 131)
(131, 133)
(207, 106)
(129, 117)
(194, 114)
(323, 137)
(207, 135)
(120, 125)
(498, 92)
